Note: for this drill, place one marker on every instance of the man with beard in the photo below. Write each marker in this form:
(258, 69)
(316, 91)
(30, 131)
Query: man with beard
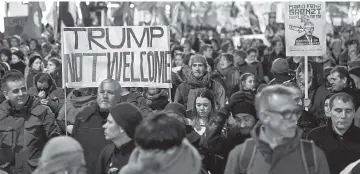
(219, 143)
(88, 124)
(46, 90)
(276, 145)
(25, 126)
(198, 78)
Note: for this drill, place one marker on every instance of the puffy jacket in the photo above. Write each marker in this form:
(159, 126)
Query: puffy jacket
(23, 134)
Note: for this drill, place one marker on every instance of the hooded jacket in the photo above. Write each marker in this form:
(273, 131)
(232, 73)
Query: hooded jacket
(157, 101)
(74, 105)
(184, 159)
(284, 159)
(27, 131)
(55, 95)
(339, 150)
(139, 101)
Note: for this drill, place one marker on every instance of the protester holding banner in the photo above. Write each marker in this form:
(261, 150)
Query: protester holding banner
(88, 124)
(76, 101)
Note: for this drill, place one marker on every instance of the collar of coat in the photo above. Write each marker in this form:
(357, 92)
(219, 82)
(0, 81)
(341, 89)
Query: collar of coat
(274, 155)
(6, 109)
(352, 134)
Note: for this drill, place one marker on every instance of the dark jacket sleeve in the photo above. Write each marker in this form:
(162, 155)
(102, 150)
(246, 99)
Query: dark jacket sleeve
(101, 163)
(49, 123)
(143, 106)
(214, 140)
(178, 97)
(57, 100)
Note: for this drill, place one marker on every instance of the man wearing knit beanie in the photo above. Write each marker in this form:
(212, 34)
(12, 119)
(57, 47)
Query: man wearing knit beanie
(56, 158)
(120, 129)
(198, 78)
(238, 118)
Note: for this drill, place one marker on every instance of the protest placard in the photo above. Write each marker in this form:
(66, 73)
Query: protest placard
(14, 25)
(305, 28)
(136, 56)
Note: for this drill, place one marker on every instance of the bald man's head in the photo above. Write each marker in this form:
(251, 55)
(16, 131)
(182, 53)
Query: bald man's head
(108, 94)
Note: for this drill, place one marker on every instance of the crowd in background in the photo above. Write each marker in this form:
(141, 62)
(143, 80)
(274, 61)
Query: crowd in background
(222, 95)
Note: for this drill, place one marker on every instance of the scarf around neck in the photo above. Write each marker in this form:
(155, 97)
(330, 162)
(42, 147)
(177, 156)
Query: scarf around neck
(228, 71)
(198, 83)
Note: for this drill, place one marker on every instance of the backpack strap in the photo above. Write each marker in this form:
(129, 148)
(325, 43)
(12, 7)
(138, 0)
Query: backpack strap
(309, 156)
(247, 155)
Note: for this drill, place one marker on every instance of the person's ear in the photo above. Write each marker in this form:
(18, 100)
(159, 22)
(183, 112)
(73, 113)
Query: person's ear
(6, 94)
(344, 80)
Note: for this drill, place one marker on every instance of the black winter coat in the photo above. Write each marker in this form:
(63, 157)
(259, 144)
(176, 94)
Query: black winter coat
(89, 133)
(340, 151)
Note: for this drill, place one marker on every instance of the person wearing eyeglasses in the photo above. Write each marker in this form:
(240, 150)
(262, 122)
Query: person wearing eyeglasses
(308, 38)
(25, 126)
(340, 138)
(276, 145)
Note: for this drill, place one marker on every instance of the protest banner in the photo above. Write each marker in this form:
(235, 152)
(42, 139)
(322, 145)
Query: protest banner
(136, 56)
(305, 24)
(14, 25)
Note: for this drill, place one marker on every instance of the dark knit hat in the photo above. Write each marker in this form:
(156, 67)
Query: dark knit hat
(243, 102)
(176, 108)
(19, 54)
(280, 66)
(355, 71)
(33, 58)
(244, 108)
(127, 116)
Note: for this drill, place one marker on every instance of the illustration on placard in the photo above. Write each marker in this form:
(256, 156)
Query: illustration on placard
(308, 28)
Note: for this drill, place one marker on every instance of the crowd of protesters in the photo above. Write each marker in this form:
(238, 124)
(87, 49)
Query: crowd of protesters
(232, 109)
